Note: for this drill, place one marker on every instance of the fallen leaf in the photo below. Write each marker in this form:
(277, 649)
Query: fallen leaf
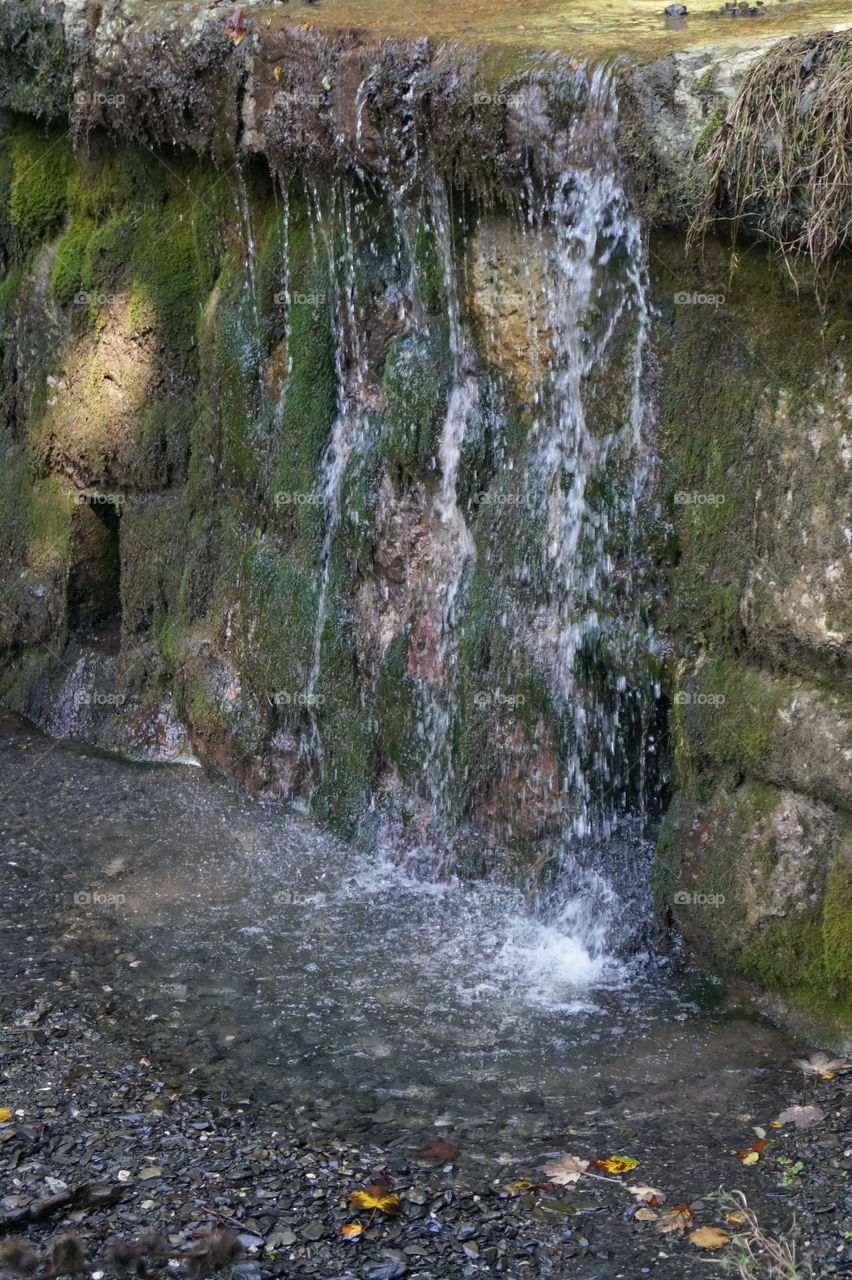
(442, 1151)
(819, 1064)
(566, 1170)
(676, 1219)
(647, 1195)
(616, 1164)
(351, 1230)
(523, 1184)
(645, 1215)
(375, 1198)
(748, 1157)
(736, 1219)
(802, 1117)
(761, 1133)
(709, 1237)
(5, 1114)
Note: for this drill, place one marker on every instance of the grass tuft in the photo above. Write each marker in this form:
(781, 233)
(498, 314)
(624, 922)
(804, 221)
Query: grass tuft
(781, 161)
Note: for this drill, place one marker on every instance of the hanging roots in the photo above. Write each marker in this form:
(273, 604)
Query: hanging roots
(781, 163)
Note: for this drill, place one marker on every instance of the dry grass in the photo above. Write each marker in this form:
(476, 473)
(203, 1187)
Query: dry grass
(753, 1254)
(781, 163)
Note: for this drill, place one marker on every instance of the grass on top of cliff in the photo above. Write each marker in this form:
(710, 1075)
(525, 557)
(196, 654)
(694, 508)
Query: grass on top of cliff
(781, 162)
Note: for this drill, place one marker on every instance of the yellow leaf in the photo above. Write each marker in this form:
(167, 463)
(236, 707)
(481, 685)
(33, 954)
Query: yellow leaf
(616, 1164)
(351, 1230)
(735, 1219)
(5, 1114)
(750, 1157)
(375, 1198)
(709, 1237)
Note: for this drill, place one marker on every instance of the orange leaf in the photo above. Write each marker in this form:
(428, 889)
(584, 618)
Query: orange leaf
(375, 1198)
(5, 1114)
(351, 1230)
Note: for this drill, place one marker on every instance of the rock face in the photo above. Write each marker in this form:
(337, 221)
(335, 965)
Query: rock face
(285, 283)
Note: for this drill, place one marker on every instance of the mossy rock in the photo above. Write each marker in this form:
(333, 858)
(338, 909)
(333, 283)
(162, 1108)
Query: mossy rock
(416, 382)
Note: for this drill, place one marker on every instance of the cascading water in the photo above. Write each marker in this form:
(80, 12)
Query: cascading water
(589, 239)
(570, 598)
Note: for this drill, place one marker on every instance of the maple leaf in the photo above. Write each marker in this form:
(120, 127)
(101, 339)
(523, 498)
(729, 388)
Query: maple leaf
(709, 1237)
(565, 1171)
(802, 1117)
(676, 1219)
(616, 1164)
(351, 1230)
(443, 1152)
(647, 1195)
(375, 1198)
(819, 1064)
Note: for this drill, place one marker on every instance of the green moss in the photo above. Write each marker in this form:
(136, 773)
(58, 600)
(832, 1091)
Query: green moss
(416, 386)
(836, 949)
(70, 266)
(41, 163)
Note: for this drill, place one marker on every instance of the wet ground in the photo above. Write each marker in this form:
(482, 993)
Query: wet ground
(181, 965)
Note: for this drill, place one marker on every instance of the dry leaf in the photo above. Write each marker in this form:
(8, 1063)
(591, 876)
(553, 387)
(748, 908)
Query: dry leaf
(645, 1215)
(443, 1152)
(524, 1184)
(802, 1117)
(647, 1195)
(616, 1164)
(375, 1198)
(351, 1230)
(567, 1170)
(709, 1237)
(819, 1064)
(748, 1157)
(5, 1114)
(736, 1219)
(676, 1219)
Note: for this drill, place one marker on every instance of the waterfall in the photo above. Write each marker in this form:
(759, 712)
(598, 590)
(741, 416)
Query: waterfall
(567, 582)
